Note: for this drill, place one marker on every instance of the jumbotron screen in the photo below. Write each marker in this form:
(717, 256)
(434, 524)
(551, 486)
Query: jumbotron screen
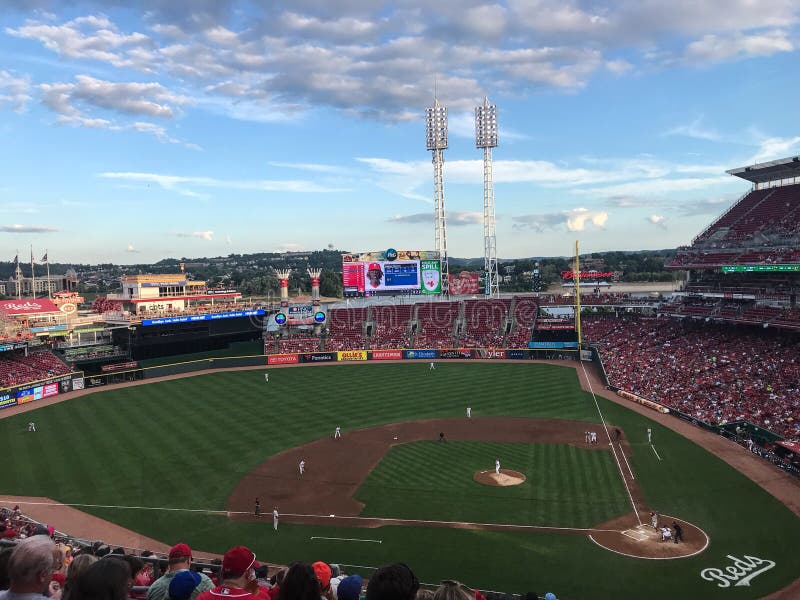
(391, 272)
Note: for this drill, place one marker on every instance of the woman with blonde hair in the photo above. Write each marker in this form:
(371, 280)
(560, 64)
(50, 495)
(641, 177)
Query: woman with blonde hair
(78, 565)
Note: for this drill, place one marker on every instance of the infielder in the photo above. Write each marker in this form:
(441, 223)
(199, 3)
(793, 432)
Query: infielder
(302, 466)
(497, 467)
(469, 412)
(275, 518)
(338, 433)
(649, 436)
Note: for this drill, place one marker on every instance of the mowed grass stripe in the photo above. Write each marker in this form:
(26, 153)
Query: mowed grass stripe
(433, 480)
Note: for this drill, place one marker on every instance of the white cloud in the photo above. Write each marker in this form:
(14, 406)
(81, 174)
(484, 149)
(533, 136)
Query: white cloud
(14, 91)
(574, 219)
(455, 218)
(178, 183)
(27, 229)
(203, 235)
(696, 130)
(714, 48)
(658, 220)
(772, 148)
(130, 249)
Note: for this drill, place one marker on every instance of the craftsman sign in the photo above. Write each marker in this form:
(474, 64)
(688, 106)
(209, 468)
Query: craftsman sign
(741, 572)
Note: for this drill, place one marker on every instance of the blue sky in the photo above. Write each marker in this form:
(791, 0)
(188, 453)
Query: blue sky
(215, 126)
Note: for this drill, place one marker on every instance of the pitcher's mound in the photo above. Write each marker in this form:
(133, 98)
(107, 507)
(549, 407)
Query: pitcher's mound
(505, 477)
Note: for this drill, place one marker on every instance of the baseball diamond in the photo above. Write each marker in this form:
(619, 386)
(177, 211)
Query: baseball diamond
(580, 513)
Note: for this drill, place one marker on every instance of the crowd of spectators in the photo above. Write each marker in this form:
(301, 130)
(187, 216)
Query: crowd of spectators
(715, 373)
(44, 564)
(17, 368)
(346, 329)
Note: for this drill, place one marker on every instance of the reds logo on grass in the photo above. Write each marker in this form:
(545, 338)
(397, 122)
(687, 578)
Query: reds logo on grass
(742, 572)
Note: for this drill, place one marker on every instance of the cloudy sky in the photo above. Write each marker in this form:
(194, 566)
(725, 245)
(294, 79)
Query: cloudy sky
(215, 126)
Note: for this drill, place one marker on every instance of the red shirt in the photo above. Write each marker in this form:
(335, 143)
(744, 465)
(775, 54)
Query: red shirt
(222, 591)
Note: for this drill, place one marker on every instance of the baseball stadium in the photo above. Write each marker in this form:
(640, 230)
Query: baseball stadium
(594, 444)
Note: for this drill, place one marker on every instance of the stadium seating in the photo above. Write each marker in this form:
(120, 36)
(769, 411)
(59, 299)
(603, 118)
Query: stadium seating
(345, 329)
(715, 373)
(436, 323)
(484, 323)
(16, 368)
(298, 344)
(391, 325)
(524, 312)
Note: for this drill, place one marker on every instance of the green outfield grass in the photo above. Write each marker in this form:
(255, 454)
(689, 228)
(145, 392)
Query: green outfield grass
(565, 486)
(186, 443)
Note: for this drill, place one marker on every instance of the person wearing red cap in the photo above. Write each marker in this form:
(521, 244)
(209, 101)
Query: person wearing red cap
(375, 275)
(238, 577)
(323, 573)
(179, 558)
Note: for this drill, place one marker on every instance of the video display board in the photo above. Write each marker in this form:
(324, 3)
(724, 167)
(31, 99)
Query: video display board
(391, 272)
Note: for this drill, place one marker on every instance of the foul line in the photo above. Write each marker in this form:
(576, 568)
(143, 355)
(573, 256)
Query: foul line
(310, 516)
(626, 462)
(654, 450)
(344, 539)
(616, 458)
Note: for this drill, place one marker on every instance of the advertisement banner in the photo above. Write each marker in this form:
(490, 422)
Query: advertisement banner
(282, 359)
(313, 357)
(212, 317)
(517, 354)
(493, 353)
(24, 396)
(420, 354)
(455, 353)
(465, 283)
(77, 383)
(131, 364)
(431, 276)
(27, 307)
(386, 355)
(95, 381)
(301, 314)
(7, 400)
(352, 355)
(552, 345)
(586, 355)
(51, 389)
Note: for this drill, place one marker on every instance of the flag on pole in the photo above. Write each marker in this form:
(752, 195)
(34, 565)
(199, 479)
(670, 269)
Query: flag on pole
(16, 259)
(44, 258)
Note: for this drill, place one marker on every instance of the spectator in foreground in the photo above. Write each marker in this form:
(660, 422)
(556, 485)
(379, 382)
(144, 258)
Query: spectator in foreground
(183, 584)
(349, 588)
(300, 583)
(5, 556)
(78, 565)
(238, 578)
(107, 579)
(453, 590)
(179, 558)
(30, 569)
(393, 582)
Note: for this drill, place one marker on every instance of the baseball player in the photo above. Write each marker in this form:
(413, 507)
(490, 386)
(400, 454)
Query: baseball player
(497, 466)
(302, 466)
(432, 367)
(32, 427)
(275, 518)
(649, 436)
(338, 433)
(257, 511)
(266, 377)
(593, 435)
(469, 412)
(654, 520)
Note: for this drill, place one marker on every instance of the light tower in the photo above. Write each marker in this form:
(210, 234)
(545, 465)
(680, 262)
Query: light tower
(283, 277)
(486, 138)
(314, 273)
(436, 142)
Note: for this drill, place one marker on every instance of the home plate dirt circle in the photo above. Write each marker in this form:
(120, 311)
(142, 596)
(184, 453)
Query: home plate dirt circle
(504, 478)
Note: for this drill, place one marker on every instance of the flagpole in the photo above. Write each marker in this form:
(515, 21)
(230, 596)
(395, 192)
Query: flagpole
(33, 276)
(19, 277)
(47, 262)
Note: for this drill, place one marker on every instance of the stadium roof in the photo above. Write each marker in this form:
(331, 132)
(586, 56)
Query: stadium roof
(774, 170)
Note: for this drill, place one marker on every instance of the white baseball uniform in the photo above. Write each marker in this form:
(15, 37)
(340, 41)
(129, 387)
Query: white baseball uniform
(497, 467)
(338, 432)
(302, 466)
(266, 377)
(649, 436)
(275, 519)
(469, 412)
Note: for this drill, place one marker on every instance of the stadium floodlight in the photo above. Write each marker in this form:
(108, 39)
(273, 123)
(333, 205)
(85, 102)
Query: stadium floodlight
(436, 142)
(486, 138)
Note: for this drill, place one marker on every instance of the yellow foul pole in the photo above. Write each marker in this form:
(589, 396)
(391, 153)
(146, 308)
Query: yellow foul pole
(576, 279)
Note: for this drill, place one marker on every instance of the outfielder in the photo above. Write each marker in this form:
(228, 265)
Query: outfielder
(32, 427)
(338, 433)
(275, 518)
(469, 412)
(266, 377)
(432, 367)
(649, 436)
(302, 466)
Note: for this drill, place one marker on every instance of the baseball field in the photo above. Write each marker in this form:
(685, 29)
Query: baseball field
(184, 460)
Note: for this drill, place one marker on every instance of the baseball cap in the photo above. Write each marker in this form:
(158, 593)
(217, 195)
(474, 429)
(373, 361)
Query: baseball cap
(350, 588)
(323, 573)
(374, 267)
(550, 596)
(183, 584)
(237, 560)
(180, 550)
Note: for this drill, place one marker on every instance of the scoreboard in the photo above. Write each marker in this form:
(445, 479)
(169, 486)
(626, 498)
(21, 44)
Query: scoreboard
(391, 272)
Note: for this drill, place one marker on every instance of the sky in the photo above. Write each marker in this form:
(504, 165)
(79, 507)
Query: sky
(211, 127)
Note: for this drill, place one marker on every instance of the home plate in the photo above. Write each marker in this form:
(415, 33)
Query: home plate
(636, 534)
(331, 515)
